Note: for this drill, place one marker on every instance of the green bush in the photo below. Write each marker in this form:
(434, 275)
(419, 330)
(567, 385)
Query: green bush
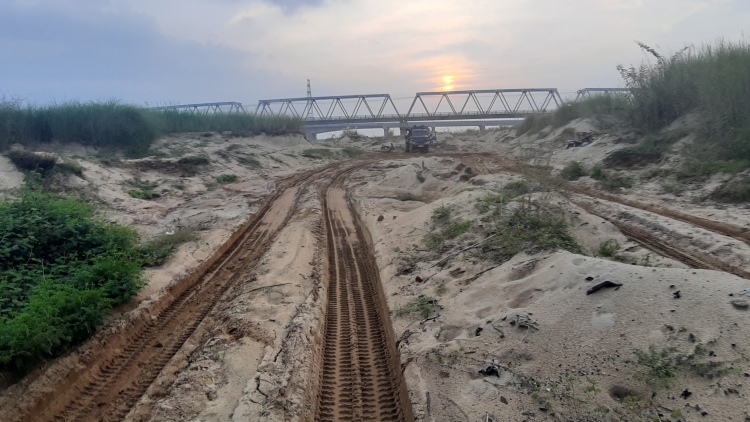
(317, 153)
(613, 183)
(226, 178)
(609, 248)
(649, 150)
(451, 230)
(351, 152)
(618, 105)
(572, 171)
(32, 161)
(193, 160)
(143, 194)
(733, 192)
(422, 306)
(441, 215)
(597, 173)
(530, 232)
(61, 270)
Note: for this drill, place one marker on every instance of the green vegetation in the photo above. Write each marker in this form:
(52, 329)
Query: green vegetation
(422, 306)
(114, 125)
(159, 249)
(572, 171)
(226, 178)
(498, 201)
(61, 271)
(249, 162)
(609, 248)
(351, 152)
(143, 189)
(598, 105)
(441, 215)
(649, 150)
(317, 153)
(352, 134)
(597, 173)
(531, 232)
(32, 161)
(664, 364)
(733, 192)
(451, 230)
(193, 160)
(615, 183)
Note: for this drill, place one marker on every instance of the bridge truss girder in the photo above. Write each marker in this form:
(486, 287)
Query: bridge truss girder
(205, 108)
(505, 107)
(311, 107)
(585, 93)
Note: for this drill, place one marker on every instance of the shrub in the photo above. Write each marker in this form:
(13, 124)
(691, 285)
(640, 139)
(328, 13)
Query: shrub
(61, 270)
(609, 248)
(249, 162)
(441, 215)
(226, 178)
(613, 183)
(143, 194)
(529, 232)
(618, 105)
(572, 171)
(351, 152)
(32, 161)
(451, 231)
(422, 306)
(317, 153)
(597, 173)
(143, 189)
(733, 192)
(69, 167)
(193, 160)
(158, 250)
(650, 150)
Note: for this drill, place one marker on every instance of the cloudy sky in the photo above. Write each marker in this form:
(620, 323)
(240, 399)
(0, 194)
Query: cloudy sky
(182, 51)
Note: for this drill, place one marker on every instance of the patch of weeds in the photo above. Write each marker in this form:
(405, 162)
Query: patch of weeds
(441, 289)
(664, 364)
(517, 188)
(406, 197)
(226, 178)
(452, 230)
(193, 160)
(420, 173)
(597, 173)
(143, 194)
(179, 186)
(278, 160)
(317, 153)
(422, 306)
(32, 161)
(732, 192)
(676, 414)
(614, 183)
(158, 250)
(573, 171)
(177, 152)
(487, 202)
(107, 159)
(693, 170)
(674, 188)
(649, 150)
(249, 162)
(69, 167)
(530, 232)
(210, 185)
(351, 152)
(441, 215)
(609, 248)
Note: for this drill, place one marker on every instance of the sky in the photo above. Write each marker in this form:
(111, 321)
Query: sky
(159, 52)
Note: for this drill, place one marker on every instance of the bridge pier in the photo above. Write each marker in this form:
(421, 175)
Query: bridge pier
(482, 129)
(311, 136)
(386, 130)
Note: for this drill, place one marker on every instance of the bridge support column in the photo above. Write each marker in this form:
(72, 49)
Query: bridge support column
(311, 136)
(386, 132)
(482, 129)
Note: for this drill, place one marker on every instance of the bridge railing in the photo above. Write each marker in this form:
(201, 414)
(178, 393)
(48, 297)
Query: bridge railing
(585, 93)
(205, 108)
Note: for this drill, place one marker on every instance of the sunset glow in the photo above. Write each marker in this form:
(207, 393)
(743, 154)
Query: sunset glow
(447, 83)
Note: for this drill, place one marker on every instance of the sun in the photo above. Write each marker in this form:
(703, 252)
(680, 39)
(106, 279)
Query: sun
(448, 83)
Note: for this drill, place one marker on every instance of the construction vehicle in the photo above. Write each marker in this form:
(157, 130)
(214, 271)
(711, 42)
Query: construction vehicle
(419, 138)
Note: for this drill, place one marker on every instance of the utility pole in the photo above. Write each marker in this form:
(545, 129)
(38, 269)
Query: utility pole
(309, 102)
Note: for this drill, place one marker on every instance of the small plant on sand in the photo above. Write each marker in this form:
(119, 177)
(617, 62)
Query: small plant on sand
(441, 215)
(441, 289)
(193, 160)
(317, 153)
(226, 178)
(732, 192)
(351, 152)
(422, 306)
(616, 183)
(609, 248)
(450, 231)
(143, 189)
(158, 250)
(597, 173)
(572, 171)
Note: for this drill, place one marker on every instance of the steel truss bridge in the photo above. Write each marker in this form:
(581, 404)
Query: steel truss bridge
(478, 108)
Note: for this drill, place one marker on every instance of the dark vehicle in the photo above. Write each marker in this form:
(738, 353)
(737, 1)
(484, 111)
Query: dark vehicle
(419, 138)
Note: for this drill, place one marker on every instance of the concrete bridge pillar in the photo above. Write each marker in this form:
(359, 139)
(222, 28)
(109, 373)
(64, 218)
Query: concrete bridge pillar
(311, 136)
(482, 129)
(386, 130)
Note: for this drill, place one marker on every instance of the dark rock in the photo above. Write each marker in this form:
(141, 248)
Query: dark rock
(503, 400)
(740, 304)
(589, 278)
(491, 370)
(677, 294)
(478, 331)
(418, 279)
(685, 394)
(602, 285)
(380, 218)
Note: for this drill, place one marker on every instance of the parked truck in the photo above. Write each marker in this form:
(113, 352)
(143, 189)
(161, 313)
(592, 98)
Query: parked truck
(419, 138)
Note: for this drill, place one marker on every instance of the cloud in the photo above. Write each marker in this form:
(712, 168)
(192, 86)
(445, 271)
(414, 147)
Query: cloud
(49, 55)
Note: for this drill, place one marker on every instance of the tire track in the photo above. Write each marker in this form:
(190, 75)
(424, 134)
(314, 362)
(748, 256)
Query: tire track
(360, 378)
(108, 391)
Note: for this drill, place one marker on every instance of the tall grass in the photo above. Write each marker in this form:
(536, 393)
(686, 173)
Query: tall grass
(712, 80)
(613, 104)
(114, 125)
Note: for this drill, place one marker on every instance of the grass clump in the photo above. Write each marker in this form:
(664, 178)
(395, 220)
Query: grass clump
(441, 215)
(597, 173)
(451, 230)
(226, 178)
(422, 306)
(609, 248)
(158, 250)
(618, 105)
(351, 152)
(249, 162)
(732, 192)
(143, 189)
(61, 271)
(615, 183)
(531, 232)
(317, 153)
(650, 150)
(193, 160)
(32, 161)
(573, 171)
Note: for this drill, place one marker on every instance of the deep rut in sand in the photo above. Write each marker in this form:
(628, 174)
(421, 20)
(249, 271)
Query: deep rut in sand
(360, 379)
